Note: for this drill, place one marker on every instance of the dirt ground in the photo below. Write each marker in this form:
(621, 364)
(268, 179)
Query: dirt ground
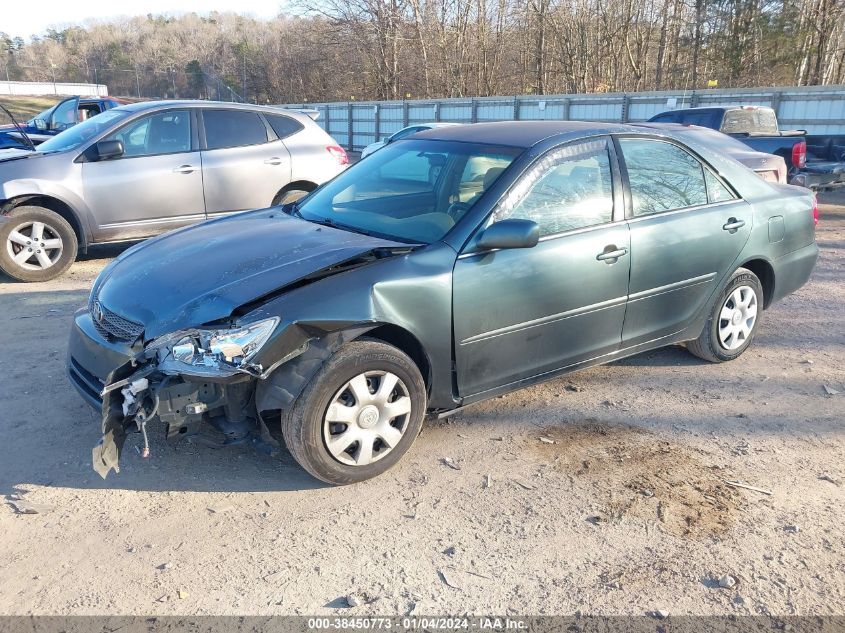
(602, 492)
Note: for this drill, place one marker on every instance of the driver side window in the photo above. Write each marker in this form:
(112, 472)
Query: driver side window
(570, 188)
(167, 132)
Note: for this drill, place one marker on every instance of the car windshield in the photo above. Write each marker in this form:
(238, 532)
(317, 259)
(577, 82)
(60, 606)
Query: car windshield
(75, 136)
(411, 191)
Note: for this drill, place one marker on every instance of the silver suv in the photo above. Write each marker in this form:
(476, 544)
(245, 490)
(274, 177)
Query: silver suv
(145, 168)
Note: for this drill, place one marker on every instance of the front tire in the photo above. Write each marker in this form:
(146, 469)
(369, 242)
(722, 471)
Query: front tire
(36, 244)
(358, 415)
(733, 321)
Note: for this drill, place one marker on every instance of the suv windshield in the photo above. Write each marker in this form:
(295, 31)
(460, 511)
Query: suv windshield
(411, 191)
(75, 136)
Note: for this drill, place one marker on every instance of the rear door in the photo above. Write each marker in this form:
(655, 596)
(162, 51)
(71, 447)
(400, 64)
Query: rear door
(155, 186)
(521, 313)
(687, 230)
(244, 164)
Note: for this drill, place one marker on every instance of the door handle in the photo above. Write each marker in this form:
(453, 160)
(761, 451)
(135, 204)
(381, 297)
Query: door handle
(610, 254)
(733, 225)
(273, 161)
(184, 169)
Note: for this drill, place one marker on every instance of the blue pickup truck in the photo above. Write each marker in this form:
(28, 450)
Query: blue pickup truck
(814, 161)
(54, 119)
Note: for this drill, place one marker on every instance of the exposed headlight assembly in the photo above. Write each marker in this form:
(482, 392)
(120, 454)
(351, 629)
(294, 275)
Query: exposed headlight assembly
(209, 351)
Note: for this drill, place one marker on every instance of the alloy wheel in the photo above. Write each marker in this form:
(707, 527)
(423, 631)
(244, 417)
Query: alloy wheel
(34, 245)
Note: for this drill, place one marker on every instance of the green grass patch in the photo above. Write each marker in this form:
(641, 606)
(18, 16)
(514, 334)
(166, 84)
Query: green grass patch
(23, 107)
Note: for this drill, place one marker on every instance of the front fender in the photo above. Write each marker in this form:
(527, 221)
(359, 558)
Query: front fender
(412, 292)
(22, 188)
(289, 376)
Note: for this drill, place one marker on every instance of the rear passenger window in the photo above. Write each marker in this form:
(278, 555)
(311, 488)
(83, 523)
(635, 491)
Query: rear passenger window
(717, 192)
(570, 188)
(283, 126)
(233, 128)
(662, 176)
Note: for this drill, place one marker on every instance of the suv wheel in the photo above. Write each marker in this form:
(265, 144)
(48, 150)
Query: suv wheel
(733, 322)
(358, 415)
(36, 244)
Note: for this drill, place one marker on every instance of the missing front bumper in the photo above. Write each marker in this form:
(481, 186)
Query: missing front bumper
(180, 407)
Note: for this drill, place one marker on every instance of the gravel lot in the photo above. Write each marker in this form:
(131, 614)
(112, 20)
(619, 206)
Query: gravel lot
(624, 513)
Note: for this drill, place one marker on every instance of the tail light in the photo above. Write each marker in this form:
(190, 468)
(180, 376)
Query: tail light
(815, 210)
(339, 153)
(799, 154)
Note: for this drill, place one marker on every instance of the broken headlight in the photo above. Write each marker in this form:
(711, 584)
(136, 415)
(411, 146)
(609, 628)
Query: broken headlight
(210, 347)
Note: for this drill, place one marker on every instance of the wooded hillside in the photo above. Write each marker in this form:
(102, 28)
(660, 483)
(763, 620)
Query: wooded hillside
(326, 50)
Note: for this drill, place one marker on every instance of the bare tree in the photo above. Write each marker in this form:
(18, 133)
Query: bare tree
(384, 49)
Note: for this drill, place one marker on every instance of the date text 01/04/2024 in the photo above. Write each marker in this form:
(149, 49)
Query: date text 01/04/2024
(419, 623)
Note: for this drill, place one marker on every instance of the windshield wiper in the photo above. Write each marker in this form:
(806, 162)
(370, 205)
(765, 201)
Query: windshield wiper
(292, 209)
(295, 212)
(328, 222)
(19, 128)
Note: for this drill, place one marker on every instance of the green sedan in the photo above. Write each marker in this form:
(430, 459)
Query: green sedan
(451, 266)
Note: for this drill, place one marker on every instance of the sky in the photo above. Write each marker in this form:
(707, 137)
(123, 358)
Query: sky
(24, 19)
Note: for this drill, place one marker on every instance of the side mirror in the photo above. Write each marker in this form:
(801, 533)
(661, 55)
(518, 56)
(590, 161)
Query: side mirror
(109, 149)
(40, 124)
(509, 234)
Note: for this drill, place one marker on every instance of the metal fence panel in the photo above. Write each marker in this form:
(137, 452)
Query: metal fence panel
(816, 109)
(35, 88)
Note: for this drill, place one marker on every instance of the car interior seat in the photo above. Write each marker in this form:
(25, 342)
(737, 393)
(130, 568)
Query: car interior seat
(168, 135)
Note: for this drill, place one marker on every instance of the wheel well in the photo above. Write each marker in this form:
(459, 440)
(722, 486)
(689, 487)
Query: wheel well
(297, 185)
(408, 343)
(54, 205)
(766, 274)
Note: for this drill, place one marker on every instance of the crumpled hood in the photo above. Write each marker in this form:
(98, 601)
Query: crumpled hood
(193, 276)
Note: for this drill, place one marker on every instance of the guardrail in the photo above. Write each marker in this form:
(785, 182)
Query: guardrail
(816, 109)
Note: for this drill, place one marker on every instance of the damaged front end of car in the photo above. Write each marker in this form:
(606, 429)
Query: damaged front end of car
(186, 379)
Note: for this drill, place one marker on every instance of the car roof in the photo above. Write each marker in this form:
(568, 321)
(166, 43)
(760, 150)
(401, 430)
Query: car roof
(522, 133)
(143, 106)
(717, 107)
(714, 138)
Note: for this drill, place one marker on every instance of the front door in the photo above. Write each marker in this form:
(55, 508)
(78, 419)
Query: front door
(244, 165)
(65, 114)
(524, 312)
(155, 186)
(687, 230)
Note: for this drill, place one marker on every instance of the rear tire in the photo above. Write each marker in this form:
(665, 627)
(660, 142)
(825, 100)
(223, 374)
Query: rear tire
(733, 320)
(368, 402)
(36, 244)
